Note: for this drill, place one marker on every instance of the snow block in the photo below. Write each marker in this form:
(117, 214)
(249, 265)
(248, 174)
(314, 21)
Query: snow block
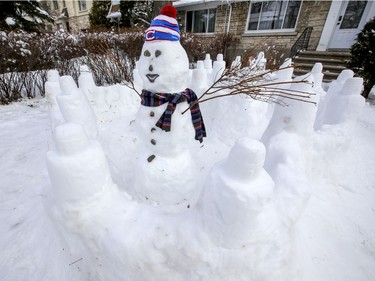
(236, 191)
(78, 168)
(53, 89)
(335, 130)
(345, 106)
(86, 81)
(199, 81)
(75, 107)
(288, 140)
(334, 89)
(218, 68)
(298, 116)
(67, 84)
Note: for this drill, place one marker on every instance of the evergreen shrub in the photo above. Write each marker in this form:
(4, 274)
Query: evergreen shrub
(362, 61)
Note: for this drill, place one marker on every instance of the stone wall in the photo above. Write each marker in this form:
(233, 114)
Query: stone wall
(79, 23)
(312, 13)
(77, 20)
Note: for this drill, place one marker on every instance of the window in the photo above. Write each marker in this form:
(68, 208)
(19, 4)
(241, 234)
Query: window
(82, 5)
(55, 5)
(273, 15)
(201, 21)
(353, 14)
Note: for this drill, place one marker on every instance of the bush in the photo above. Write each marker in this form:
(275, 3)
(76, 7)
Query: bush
(362, 61)
(26, 57)
(197, 46)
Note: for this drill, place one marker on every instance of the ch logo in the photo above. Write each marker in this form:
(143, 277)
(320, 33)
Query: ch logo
(150, 35)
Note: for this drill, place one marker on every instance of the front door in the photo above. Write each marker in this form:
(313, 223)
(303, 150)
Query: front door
(353, 16)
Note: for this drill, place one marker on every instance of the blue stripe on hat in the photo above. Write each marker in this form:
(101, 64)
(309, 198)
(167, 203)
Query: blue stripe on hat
(152, 35)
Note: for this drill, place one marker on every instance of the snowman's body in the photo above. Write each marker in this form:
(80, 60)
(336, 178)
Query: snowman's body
(165, 168)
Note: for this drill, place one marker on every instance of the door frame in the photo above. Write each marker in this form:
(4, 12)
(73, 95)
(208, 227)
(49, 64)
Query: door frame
(332, 19)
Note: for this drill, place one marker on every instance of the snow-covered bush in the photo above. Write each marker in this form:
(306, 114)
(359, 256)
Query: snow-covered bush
(110, 56)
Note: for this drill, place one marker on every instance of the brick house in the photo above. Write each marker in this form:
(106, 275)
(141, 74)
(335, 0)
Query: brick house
(335, 24)
(70, 15)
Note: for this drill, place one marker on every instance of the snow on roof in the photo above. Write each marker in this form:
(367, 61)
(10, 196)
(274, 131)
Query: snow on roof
(183, 3)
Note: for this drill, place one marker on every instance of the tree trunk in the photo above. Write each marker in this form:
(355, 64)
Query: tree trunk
(157, 6)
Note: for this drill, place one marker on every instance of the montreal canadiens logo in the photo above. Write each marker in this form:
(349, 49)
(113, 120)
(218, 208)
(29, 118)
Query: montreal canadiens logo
(150, 35)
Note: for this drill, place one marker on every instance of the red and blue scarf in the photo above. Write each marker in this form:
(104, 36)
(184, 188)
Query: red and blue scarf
(156, 99)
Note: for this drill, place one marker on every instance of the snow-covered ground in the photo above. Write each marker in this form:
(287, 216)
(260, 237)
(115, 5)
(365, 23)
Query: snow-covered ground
(102, 183)
(333, 239)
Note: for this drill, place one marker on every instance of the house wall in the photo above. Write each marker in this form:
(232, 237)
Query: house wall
(78, 20)
(312, 13)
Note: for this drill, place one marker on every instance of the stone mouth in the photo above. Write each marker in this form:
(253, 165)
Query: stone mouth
(152, 77)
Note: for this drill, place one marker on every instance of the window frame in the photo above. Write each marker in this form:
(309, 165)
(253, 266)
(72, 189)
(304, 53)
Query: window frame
(207, 22)
(80, 3)
(55, 4)
(271, 31)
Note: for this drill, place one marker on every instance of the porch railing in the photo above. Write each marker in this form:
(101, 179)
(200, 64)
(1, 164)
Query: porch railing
(302, 42)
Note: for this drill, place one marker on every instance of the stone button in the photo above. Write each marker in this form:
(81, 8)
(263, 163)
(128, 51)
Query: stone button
(153, 141)
(151, 157)
(152, 114)
(153, 130)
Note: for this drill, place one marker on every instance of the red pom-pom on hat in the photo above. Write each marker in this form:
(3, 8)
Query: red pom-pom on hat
(169, 10)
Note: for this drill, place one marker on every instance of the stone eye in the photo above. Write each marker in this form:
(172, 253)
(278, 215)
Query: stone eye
(157, 53)
(147, 53)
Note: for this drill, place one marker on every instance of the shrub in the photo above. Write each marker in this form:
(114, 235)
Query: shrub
(26, 57)
(362, 61)
(197, 46)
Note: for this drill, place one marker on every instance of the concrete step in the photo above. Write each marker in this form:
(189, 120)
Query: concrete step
(328, 76)
(322, 60)
(332, 68)
(319, 54)
(333, 63)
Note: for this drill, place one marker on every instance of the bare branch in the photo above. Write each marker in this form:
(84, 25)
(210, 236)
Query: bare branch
(258, 85)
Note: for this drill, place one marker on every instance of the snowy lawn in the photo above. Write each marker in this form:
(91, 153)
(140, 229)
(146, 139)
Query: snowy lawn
(334, 239)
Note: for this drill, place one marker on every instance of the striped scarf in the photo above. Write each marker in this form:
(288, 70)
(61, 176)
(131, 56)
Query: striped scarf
(156, 99)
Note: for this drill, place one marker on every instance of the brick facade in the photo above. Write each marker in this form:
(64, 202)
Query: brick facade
(312, 13)
(77, 20)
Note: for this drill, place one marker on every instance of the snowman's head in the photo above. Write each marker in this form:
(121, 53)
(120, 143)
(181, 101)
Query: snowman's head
(163, 64)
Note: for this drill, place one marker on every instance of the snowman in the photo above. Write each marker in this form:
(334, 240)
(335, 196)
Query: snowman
(165, 170)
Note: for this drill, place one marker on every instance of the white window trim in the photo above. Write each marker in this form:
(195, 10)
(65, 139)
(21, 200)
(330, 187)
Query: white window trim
(270, 31)
(206, 7)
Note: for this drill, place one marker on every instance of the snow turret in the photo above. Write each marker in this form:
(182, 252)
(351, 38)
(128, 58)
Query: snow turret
(75, 107)
(334, 90)
(78, 167)
(236, 192)
(288, 140)
(86, 81)
(53, 89)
